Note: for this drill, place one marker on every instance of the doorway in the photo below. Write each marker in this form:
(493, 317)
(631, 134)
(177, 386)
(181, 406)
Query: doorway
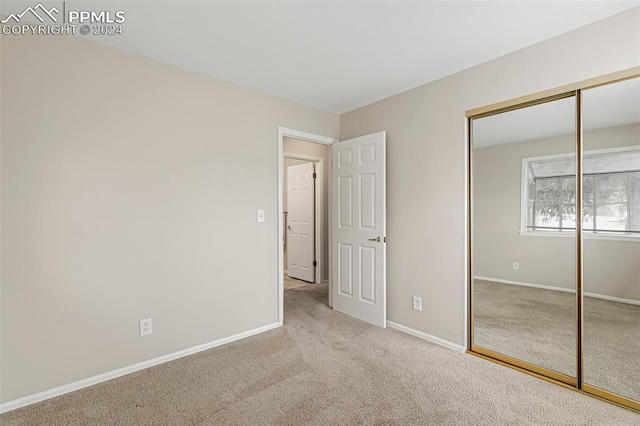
(295, 148)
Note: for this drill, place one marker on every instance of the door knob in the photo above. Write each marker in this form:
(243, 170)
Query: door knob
(289, 227)
(377, 240)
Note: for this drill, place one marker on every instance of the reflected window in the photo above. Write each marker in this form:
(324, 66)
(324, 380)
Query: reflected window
(611, 192)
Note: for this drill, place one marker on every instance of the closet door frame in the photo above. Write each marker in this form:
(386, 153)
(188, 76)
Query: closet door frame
(572, 90)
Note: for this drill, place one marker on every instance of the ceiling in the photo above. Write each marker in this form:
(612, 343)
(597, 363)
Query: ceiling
(616, 104)
(337, 56)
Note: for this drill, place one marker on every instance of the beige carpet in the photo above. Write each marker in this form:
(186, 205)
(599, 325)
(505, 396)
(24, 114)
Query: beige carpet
(324, 368)
(539, 326)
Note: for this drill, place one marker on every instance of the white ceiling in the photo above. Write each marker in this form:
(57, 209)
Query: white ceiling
(337, 56)
(612, 105)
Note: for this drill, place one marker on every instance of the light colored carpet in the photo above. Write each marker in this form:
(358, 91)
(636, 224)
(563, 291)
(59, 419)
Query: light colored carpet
(529, 324)
(324, 368)
(539, 326)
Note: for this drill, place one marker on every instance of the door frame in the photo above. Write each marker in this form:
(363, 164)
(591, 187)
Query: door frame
(308, 137)
(317, 214)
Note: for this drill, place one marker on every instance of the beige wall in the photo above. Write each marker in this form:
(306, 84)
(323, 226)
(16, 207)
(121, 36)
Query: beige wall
(426, 152)
(130, 190)
(611, 268)
(296, 146)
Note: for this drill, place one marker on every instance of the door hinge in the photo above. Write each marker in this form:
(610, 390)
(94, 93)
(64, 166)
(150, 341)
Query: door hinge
(315, 175)
(315, 263)
(384, 239)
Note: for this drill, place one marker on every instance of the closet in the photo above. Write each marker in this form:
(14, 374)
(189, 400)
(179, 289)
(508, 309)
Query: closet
(554, 235)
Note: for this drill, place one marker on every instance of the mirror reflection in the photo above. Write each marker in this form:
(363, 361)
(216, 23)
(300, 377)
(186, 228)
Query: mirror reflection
(611, 216)
(524, 197)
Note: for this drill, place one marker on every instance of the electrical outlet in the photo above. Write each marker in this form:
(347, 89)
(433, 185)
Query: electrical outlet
(417, 303)
(260, 216)
(145, 327)
(516, 266)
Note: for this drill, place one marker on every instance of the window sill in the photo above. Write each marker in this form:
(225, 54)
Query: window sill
(587, 235)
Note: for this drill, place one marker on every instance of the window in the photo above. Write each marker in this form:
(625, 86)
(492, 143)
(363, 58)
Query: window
(611, 192)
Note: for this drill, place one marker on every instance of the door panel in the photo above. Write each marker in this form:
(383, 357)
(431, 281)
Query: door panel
(344, 201)
(345, 283)
(301, 222)
(367, 201)
(368, 274)
(359, 227)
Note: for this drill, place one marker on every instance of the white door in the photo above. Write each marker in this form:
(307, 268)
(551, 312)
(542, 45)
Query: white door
(358, 228)
(301, 222)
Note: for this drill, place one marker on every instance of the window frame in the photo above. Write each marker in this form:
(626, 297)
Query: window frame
(588, 234)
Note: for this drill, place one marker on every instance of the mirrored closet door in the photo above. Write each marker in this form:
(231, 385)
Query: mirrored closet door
(611, 221)
(555, 238)
(524, 185)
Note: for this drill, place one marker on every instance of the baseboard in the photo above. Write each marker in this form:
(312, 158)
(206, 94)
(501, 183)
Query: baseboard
(613, 299)
(425, 336)
(80, 384)
(564, 290)
(523, 284)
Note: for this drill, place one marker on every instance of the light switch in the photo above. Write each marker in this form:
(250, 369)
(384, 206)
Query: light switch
(260, 215)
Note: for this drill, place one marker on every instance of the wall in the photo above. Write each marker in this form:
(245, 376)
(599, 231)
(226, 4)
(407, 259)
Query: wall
(296, 146)
(426, 160)
(610, 267)
(130, 190)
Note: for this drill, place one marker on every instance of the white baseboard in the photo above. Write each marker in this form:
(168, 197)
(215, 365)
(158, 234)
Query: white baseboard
(613, 299)
(425, 336)
(523, 284)
(564, 290)
(61, 390)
